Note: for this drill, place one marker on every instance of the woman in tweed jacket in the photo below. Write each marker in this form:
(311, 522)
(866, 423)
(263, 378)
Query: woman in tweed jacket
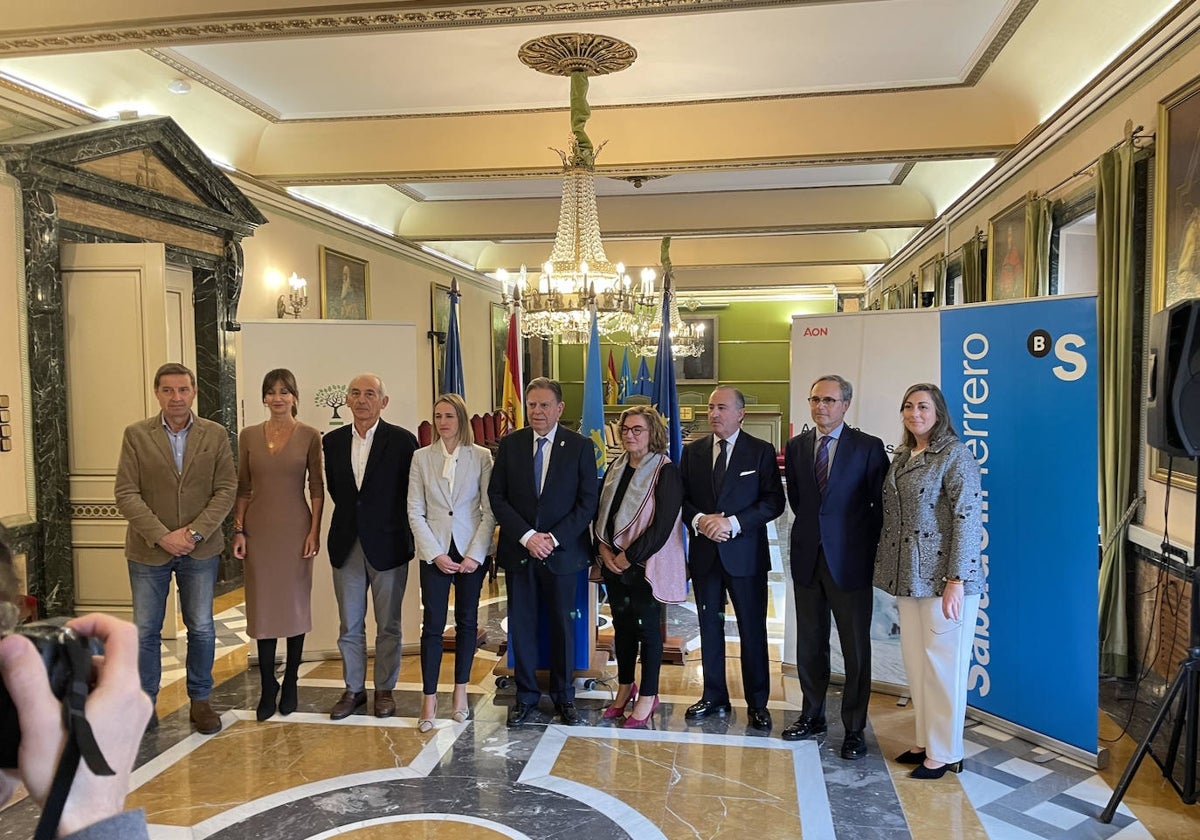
(929, 558)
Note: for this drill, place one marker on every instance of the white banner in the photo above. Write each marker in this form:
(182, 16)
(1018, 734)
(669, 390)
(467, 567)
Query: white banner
(327, 354)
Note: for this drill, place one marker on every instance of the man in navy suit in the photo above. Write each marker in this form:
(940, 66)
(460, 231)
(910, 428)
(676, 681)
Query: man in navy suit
(731, 490)
(835, 485)
(543, 493)
(370, 544)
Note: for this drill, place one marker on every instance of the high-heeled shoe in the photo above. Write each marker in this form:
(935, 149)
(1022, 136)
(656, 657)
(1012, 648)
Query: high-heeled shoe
(640, 723)
(923, 772)
(615, 711)
(288, 697)
(460, 715)
(424, 725)
(911, 757)
(266, 703)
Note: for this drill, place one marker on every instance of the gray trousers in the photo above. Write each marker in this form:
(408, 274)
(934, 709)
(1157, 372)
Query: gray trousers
(350, 584)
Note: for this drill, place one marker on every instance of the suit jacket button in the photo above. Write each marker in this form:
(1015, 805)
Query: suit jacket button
(451, 513)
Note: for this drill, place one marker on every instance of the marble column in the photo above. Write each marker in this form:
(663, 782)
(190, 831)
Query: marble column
(53, 584)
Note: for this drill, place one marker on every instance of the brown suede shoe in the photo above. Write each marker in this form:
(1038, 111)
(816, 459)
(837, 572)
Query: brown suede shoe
(348, 705)
(207, 721)
(385, 706)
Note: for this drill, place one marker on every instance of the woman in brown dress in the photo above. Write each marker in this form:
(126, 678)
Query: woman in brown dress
(277, 535)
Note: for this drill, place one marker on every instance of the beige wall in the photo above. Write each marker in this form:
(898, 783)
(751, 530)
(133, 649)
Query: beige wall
(16, 501)
(1078, 149)
(400, 291)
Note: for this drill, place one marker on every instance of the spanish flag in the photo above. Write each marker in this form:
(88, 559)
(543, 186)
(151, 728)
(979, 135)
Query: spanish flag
(513, 404)
(612, 385)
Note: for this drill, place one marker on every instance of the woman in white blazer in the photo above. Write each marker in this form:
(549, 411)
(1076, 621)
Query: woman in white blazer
(452, 526)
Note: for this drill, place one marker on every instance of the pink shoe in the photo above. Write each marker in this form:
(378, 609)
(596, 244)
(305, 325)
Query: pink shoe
(615, 711)
(640, 723)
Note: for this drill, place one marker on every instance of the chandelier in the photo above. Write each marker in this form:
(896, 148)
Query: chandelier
(578, 276)
(687, 337)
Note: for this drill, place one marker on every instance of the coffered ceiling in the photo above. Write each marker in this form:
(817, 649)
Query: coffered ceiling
(780, 143)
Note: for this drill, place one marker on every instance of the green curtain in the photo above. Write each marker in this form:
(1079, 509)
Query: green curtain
(972, 271)
(1039, 221)
(1114, 249)
(939, 281)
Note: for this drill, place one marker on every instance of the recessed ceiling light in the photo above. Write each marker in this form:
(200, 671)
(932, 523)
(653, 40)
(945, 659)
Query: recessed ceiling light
(180, 86)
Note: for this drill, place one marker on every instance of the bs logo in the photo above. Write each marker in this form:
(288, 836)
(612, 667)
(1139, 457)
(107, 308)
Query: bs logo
(1073, 366)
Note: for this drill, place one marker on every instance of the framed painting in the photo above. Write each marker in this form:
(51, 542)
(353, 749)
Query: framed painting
(703, 368)
(1006, 253)
(499, 333)
(1177, 227)
(345, 286)
(439, 320)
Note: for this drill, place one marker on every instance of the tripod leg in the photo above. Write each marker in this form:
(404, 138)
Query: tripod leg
(1143, 747)
(1191, 709)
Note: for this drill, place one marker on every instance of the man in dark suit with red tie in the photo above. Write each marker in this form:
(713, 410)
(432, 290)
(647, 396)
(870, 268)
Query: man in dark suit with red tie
(543, 492)
(731, 490)
(370, 543)
(834, 478)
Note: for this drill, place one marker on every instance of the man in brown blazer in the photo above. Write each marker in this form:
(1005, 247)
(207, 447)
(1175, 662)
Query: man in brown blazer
(176, 483)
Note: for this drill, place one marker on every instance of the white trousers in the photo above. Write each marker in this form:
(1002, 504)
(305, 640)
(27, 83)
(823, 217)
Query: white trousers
(937, 656)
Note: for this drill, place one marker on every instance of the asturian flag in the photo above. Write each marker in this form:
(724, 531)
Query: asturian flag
(665, 397)
(591, 424)
(626, 378)
(513, 416)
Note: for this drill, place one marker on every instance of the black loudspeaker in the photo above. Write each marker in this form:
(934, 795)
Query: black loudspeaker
(1173, 406)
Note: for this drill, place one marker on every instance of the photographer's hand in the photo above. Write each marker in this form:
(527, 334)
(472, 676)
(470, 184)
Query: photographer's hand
(117, 710)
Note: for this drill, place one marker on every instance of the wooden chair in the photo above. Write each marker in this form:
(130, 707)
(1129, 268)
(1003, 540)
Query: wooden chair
(637, 399)
(692, 398)
(477, 429)
(489, 430)
(425, 433)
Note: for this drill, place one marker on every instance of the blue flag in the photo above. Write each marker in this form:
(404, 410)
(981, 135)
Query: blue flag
(591, 424)
(643, 385)
(665, 396)
(626, 378)
(452, 372)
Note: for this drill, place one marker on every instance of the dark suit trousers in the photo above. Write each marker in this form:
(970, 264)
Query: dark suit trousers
(749, 597)
(435, 593)
(533, 587)
(637, 622)
(852, 611)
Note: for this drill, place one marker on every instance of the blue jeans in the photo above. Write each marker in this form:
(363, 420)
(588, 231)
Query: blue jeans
(150, 584)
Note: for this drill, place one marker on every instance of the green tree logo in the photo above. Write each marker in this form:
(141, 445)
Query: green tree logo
(334, 397)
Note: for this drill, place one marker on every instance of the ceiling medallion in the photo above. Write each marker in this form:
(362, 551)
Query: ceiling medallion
(571, 52)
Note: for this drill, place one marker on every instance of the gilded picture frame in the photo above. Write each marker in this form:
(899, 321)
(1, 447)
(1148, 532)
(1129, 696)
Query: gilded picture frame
(1006, 252)
(345, 286)
(1177, 227)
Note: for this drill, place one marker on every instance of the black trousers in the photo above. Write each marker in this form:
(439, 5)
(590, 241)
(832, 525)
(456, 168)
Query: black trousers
(435, 594)
(637, 623)
(851, 610)
(533, 587)
(749, 597)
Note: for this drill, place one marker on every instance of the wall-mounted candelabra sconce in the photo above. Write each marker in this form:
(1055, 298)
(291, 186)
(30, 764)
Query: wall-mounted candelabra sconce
(295, 300)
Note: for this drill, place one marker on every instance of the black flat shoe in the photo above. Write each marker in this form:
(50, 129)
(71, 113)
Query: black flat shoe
(518, 713)
(854, 746)
(923, 772)
(911, 757)
(760, 719)
(804, 727)
(707, 708)
(567, 713)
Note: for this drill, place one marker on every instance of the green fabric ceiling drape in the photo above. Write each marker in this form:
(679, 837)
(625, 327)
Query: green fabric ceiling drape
(1114, 249)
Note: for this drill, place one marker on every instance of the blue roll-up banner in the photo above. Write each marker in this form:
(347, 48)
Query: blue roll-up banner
(1020, 380)
(1021, 383)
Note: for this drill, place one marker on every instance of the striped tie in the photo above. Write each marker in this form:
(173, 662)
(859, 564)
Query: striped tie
(821, 467)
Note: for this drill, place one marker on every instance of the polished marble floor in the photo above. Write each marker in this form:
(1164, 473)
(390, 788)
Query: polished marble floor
(305, 776)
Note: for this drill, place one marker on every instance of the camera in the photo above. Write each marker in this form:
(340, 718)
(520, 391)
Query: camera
(54, 643)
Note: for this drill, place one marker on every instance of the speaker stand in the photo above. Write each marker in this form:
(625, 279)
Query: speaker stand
(1186, 689)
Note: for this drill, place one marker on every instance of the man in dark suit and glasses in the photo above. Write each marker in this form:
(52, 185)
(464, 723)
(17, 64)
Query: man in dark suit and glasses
(370, 544)
(835, 485)
(543, 492)
(731, 490)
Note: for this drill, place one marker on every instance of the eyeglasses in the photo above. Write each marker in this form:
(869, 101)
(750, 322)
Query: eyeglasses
(825, 401)
(636, 431)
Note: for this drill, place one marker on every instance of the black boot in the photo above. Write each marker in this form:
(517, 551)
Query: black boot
(291, 673)
(266, 673)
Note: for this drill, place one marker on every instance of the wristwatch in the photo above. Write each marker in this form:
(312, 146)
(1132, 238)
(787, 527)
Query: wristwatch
(196, 536)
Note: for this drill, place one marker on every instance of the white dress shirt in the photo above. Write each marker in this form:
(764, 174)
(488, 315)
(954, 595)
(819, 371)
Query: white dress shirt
(360, 451)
